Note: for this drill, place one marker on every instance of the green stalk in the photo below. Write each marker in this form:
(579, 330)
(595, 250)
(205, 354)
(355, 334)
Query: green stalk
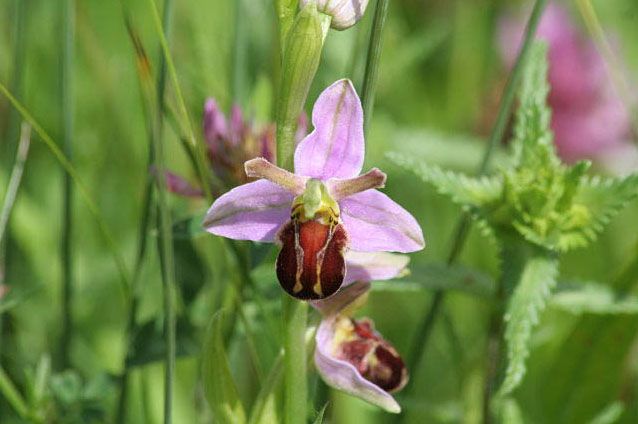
(165, 225)
(372, 62)
(301, 57)
(14, 182)
(139, 261)
(17, 73)
(295, 316)
(198, 148)
(12, 134)
(460, 235)
(13, 396)
(68, 110)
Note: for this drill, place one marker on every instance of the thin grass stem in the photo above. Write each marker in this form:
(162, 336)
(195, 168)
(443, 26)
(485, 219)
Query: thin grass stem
(622, 85)
(371, 75)
(82, 189)
(167, 258)
(202, 170)
(13, 396)
(15, 179)
(68, 111)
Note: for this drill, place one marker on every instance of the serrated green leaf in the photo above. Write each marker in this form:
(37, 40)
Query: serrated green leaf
(593, 298)
(533, 141)
(604, 198)
(219, 385)
(537, 279)
(468, 192)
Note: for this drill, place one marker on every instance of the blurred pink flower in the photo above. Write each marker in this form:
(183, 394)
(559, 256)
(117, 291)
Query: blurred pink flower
(589, 118)
(230, 143)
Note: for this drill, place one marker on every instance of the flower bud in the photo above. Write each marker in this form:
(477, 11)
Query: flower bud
(304, 43)
(344, 13)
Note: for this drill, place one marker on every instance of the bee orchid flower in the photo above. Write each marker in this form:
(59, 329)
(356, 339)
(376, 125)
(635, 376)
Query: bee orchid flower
(351, 356)
(322, 210)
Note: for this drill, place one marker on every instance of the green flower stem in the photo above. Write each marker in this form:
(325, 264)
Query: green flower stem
(295, 316)
(68, 110)
(513, 257)
(460, 235)
(372, 62)
(302, 42)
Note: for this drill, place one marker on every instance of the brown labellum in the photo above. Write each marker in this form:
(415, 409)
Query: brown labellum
(311, 263)
(375, 359)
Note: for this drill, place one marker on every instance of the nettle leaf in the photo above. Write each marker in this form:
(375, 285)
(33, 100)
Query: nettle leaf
(469, 193)
(603, 198)
(593, 298)
(219, 385)
(537, 279)
(533, 140)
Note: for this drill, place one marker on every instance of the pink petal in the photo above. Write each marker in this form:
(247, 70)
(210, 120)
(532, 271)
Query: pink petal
(365, 266)
(344, 376)
(253, 211)
(335, 148)
(376, 223)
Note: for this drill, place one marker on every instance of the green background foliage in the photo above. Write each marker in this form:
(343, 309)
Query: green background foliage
(438, 74)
